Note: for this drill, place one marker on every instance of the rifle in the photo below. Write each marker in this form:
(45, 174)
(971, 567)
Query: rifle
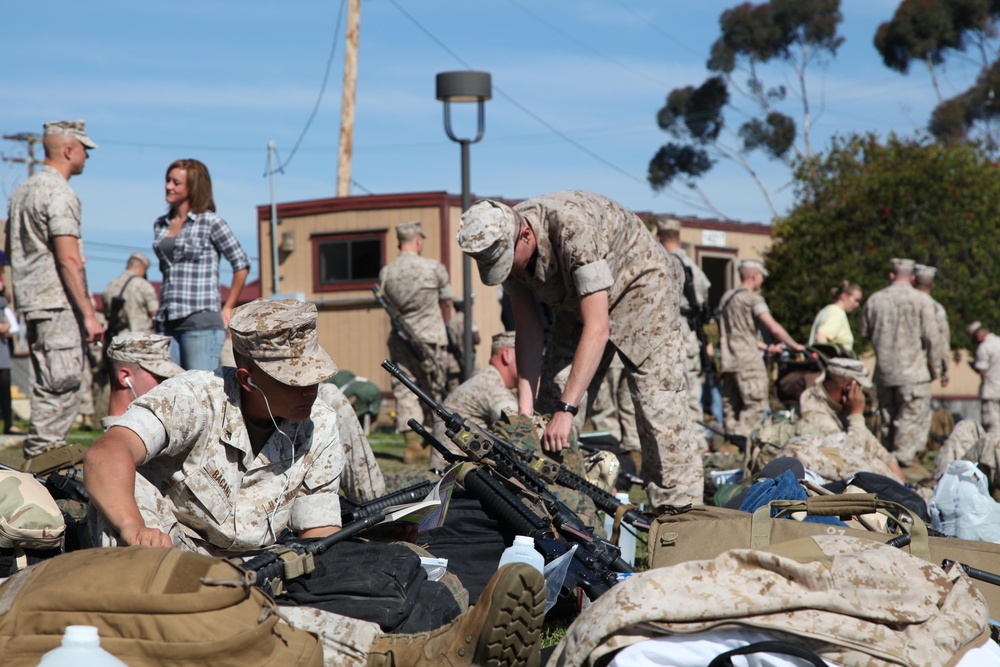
(410, 494)
(424, 356)
(455, 349)
(599, 557)
(698, 315)
(585, 571)
(295, 558)
(739, 440)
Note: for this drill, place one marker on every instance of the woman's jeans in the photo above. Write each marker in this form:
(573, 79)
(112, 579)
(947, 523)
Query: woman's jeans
(197, 349)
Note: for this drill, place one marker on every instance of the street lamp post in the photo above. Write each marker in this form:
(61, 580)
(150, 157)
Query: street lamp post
(465, 86)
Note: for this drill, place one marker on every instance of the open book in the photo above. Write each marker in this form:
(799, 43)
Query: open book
(426, 514)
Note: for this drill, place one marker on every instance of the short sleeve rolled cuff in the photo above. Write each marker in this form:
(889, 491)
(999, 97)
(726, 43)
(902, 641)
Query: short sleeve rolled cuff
(593, 277)
(148, 427)
(760, 308)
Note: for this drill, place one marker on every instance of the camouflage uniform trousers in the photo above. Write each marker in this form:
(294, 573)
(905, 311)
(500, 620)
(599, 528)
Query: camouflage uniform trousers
(408, 406)
(991, 414)
(692, 370)
(744, 400)
(57, 355)
(613, 410)
(909, 415)
(345, 641)
(671, 448)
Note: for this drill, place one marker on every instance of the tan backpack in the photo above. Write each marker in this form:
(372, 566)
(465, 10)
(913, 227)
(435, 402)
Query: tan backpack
(151, 607)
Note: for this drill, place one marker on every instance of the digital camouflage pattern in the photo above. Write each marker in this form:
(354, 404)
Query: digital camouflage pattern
(149, 351)
(838, 456)
(139, 300)
(57, 357)
(481, 399)
(901, 323)
(361, 481)
(280, 337)
(39, 209)
(987, 362)
(944, 335)
(613, 409)
(587, 243)
(852, 601)
(416, 286)
(200, 482)
(742, 374)
(345, 641)
(822, 417)
(429, 376)
(692, 348)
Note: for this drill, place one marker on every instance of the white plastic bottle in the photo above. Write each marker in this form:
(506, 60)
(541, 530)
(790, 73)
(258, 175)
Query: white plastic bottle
(523, 551)
(81, 647)
(626, 538)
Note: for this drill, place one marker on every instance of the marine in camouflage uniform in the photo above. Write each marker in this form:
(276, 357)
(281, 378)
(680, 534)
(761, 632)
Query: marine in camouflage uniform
(668, 231)
(216, 478)
(987, 364)
(136, 362)
(44, 246)
(612, 410)
(742, 372)
(923, 281)
(858, 450)
(595, 263)
(138, 296)
(903, 329)
(419, 289)
(361, 480)
(482, 398)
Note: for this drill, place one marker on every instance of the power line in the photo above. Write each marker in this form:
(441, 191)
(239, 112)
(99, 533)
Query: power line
(573, 38)
(322, 90)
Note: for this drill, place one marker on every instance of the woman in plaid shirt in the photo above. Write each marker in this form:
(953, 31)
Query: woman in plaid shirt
(188, 241)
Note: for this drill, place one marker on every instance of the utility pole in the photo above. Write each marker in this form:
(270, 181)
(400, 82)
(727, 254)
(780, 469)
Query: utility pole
(276, 278)
(347, 103)
(29, 138)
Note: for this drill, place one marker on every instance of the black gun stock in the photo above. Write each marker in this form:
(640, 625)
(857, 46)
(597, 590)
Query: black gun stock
(740, 441)
(427, 361)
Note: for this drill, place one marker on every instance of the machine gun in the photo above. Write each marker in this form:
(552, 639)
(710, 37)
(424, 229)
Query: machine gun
(599, 557)
(423, 355)
(295, 558)
(586, 571)
(461, 430)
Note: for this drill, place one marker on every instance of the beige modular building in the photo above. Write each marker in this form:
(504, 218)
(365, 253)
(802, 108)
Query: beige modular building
(330, 252)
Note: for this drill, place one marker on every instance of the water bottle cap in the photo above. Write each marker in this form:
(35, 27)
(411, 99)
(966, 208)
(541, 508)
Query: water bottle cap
(81, 634)
(524, 540)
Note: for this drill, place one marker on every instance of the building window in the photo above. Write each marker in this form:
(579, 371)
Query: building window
(348, 261)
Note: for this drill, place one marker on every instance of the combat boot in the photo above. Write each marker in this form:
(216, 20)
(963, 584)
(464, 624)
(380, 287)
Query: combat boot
(415, 449)
(503, 629)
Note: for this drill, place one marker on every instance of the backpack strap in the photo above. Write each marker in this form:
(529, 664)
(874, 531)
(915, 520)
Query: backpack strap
(776, 646)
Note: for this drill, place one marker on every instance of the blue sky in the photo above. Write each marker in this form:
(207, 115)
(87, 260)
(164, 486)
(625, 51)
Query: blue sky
(577, 85)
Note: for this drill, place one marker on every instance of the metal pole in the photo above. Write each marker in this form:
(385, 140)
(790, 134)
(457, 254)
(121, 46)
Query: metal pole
(276, 279)
(469, 357)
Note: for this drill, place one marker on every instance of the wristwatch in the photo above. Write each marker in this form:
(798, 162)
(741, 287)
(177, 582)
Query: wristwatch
(566, 407)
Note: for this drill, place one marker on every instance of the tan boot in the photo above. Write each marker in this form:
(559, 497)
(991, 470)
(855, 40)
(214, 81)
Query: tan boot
(415, 452)
(503, 629)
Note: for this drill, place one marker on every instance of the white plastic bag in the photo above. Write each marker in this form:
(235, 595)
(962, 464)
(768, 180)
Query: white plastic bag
(962, 506)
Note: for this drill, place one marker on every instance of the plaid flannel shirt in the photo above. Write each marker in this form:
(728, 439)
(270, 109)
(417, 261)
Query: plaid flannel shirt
(191, 273)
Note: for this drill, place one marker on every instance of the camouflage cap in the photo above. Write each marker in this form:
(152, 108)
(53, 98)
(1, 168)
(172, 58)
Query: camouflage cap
(74, 128)
(849, 368)
(902, 265)
(281, 338)
(149, 351)
(924, 271)
(974, 327)
(756, 264)
(407, 231)
(141, 258)
(668, 225)
(486, 234)
(502, 340)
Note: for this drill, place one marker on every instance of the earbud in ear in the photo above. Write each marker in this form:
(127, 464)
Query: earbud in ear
(252, 383)
(128, 382)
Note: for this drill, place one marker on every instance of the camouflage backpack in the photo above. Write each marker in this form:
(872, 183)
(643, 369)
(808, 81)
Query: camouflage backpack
(31, 523)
